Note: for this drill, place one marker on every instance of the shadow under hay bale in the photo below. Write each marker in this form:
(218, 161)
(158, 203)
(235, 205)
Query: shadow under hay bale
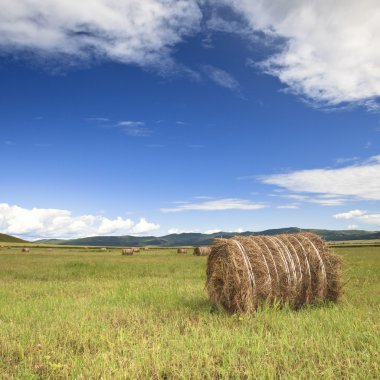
(202, 251)
(181, 250)
(127, 251)
(297, 269)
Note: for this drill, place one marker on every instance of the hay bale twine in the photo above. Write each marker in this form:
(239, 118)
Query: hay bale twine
(298, 269)
(127, 251)
(202, 251)
(181, 250)
(25, 249)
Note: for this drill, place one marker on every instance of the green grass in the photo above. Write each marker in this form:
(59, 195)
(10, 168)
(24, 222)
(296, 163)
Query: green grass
(92, 315)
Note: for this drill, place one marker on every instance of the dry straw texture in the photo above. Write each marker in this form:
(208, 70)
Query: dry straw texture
(202, 251)
(127, 251)
(297, 269)
(181, 250)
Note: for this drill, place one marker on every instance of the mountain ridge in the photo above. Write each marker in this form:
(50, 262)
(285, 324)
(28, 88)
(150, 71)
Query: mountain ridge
(191, 239)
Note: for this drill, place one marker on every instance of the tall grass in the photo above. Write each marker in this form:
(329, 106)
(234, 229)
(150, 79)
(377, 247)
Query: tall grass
(91, 315)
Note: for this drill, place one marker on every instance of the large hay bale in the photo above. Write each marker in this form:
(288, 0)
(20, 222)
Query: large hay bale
(25, 249)
(202, 251)
(127, 251)
(181, 250)
(298, 269)
(136, 249)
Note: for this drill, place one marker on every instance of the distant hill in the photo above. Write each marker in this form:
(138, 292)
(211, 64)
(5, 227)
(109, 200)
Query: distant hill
(10, 239)
(175, 240)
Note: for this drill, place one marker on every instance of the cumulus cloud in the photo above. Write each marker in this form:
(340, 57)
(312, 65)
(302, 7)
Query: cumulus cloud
(217, 205)
(144, 226)
(370, 219)
(360, 216)
(333, 186)
(56, 223)
(349, 214)
(127, 31)
(331, 52)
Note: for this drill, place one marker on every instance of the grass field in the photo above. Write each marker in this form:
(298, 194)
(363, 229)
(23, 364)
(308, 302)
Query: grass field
(87, 314)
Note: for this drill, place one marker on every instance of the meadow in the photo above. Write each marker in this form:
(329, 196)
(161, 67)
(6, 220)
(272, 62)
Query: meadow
(72, 313)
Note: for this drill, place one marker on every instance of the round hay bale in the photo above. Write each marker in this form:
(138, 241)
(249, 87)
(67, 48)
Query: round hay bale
(103, 249)
(136, 249)
(181, 250)
(146, 249)
(294, 269)
(202, 251)
(25, 249)
(127, 251)
(50, 250)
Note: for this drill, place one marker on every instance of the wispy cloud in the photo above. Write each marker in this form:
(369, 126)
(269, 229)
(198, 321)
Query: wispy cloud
(183, 123)
(134, 128)
(331, 186)
(221, 78)
(98, 119)
(217, 205)
(290, 207)
(349, 214)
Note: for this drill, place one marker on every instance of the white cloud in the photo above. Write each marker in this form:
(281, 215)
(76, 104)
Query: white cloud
(373, 219)
(334, 186)
(359, 216)
(332, 48)
(287, 207)
(56, 223)
(128, 31)
(181, 231)
(209, 232)
(349, 214)
(221, 77)
(217, 205)
(144, 226)
(134, 128)
(352, 227)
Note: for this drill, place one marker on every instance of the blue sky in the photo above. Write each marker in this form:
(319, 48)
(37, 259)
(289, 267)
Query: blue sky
(146, 117)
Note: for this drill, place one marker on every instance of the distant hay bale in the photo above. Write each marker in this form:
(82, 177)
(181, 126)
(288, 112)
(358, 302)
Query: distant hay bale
(136, 249)
(146, 249)
(50, 250)
(127, 251)
(181, 250)
(25, 250)
(202, 251)
(294, 269)
(103, 249)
